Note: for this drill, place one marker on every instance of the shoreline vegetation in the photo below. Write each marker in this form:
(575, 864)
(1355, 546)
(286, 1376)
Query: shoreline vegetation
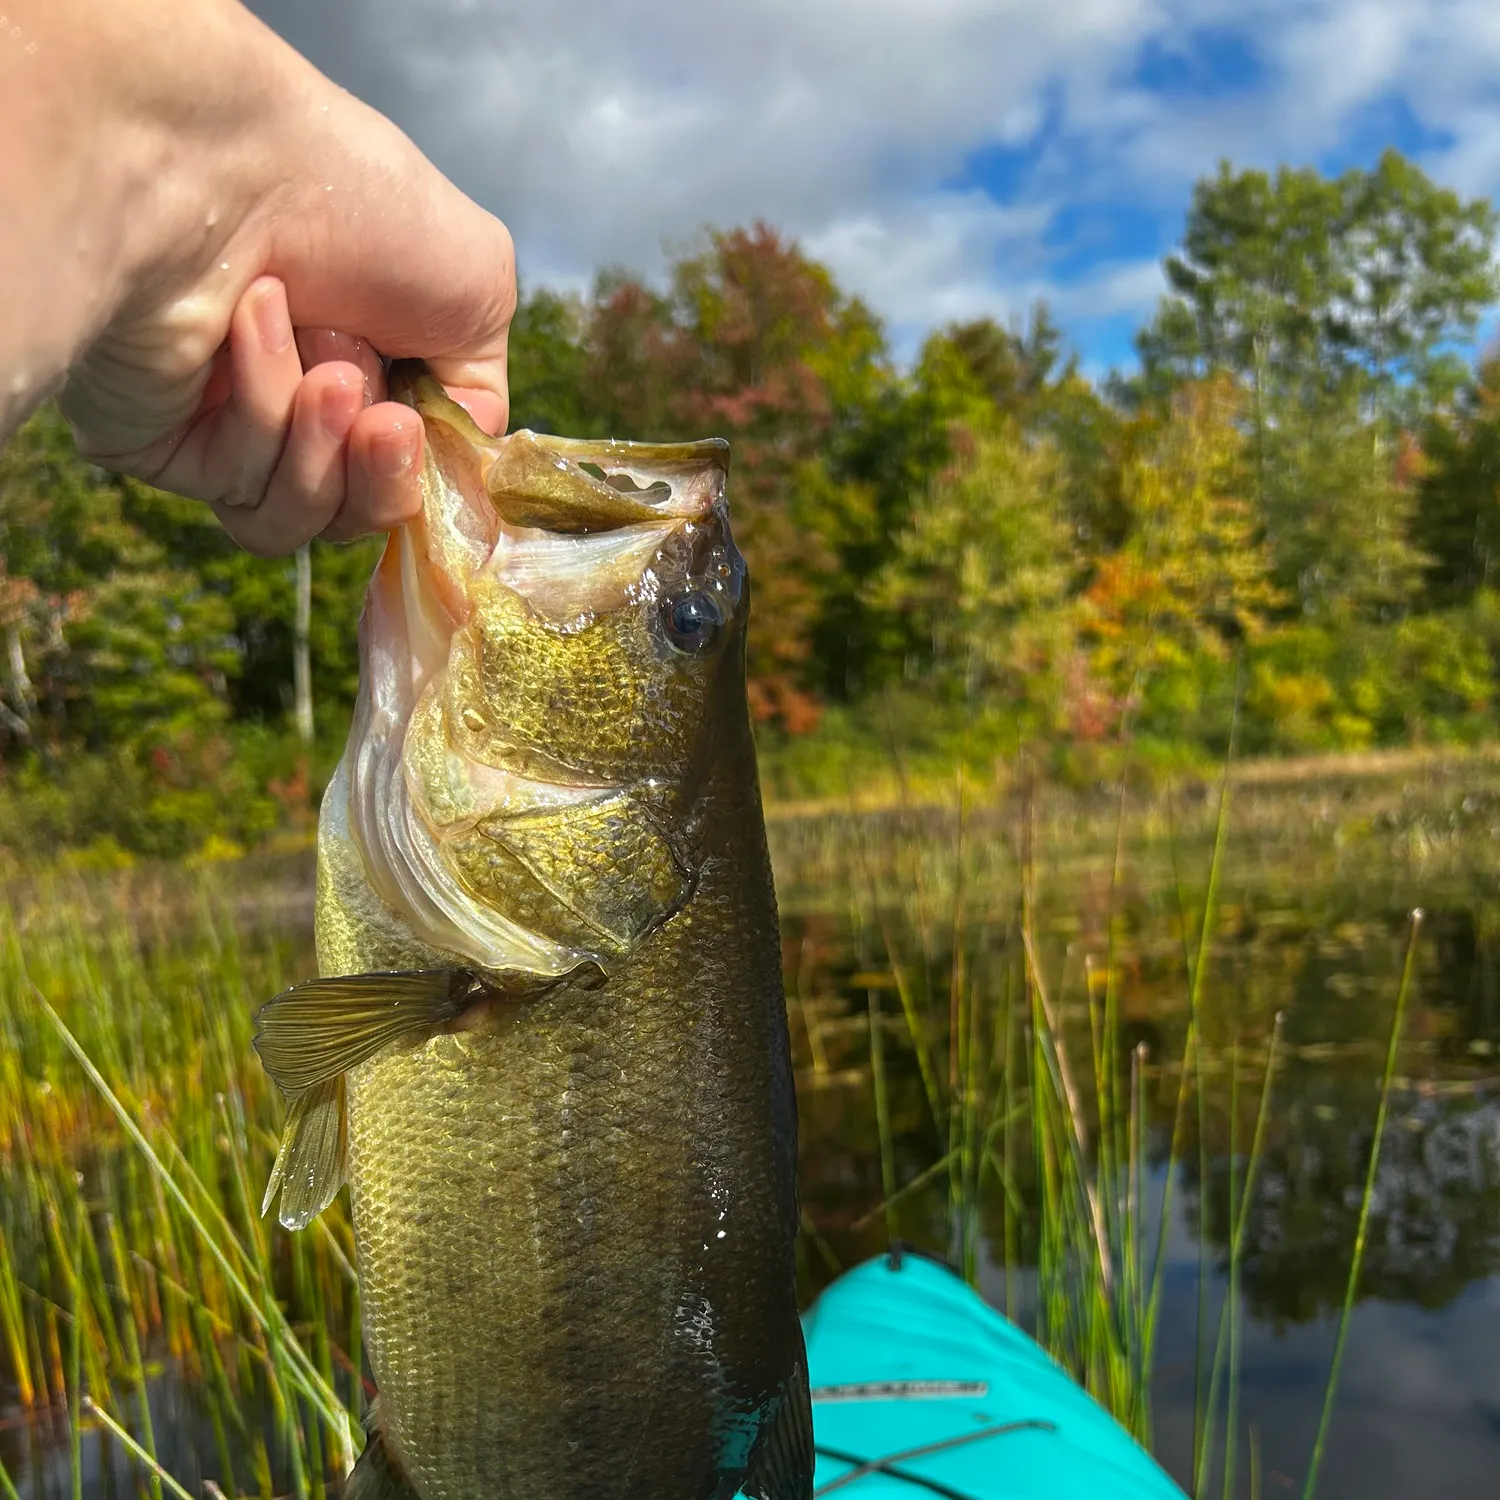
(1434, 785)
(1013, 1116)
(1279, 530)
(1345, 768)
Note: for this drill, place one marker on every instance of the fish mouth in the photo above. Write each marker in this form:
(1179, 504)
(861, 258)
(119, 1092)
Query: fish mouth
(571, 486)
(571, 526)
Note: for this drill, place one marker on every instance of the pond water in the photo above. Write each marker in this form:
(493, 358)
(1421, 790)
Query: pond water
(1312, 926)
(1319, 936)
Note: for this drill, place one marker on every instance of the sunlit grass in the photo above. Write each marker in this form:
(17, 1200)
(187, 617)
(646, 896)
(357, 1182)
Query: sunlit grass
(136, 1131)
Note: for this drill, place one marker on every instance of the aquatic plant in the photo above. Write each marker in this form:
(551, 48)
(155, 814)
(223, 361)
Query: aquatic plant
(956, 1008)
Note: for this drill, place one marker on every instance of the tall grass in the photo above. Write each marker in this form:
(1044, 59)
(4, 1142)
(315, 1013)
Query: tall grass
(135, 1133)
(1036, 1107)
(156, 1328)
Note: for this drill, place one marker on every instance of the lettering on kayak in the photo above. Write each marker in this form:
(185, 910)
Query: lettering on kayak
(901, 1390)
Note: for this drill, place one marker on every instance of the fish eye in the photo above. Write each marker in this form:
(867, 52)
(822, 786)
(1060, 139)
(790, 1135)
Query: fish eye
(692, 621)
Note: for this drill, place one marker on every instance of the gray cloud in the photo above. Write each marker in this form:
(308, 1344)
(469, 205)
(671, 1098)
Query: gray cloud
(600, 128)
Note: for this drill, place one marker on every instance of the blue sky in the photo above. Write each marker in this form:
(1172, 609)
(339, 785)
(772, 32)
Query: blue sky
(947, 158)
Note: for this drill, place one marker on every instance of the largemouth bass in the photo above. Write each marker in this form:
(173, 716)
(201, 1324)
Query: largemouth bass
(549, 1051)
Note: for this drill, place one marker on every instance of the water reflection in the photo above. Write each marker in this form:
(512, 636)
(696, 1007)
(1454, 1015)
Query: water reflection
(1309, 931)
(1417, 1411)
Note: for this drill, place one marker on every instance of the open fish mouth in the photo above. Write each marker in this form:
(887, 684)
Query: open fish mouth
(568, 533)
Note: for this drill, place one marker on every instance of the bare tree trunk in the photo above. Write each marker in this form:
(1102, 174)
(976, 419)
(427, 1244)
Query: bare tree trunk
(21, 691)
(302, 651)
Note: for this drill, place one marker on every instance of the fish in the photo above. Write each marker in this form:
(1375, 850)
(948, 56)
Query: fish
(548, 1046)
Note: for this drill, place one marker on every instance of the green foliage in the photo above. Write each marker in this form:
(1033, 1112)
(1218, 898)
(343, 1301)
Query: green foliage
(1457, 521)
(1288, 521)
(1298, 283)
(1338, 508)
(547, 363)
(1429, 678)
(1167, 609)
(148, 662)
(977, 591)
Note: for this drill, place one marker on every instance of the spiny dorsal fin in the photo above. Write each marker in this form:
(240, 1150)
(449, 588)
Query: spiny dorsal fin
(309, 1167)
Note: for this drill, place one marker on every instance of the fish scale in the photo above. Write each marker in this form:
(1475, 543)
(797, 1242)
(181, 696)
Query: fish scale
(556, 1304)
(561, 1077)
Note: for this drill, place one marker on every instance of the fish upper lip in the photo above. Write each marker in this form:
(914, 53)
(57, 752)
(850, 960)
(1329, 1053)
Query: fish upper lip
(569, 485)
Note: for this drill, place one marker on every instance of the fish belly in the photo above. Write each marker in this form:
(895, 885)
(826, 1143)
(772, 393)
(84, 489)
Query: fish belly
(576, 1223)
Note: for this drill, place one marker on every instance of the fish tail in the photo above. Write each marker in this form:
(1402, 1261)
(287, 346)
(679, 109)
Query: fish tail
(377, 1474)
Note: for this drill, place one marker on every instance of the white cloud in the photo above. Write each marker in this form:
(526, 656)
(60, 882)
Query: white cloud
(600, 128)
(1112, 289)
(933, 260)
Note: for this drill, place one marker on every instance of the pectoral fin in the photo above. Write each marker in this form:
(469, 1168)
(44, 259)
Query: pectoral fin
(309, 1167)
(781, 1467)
(313, 1032)
(309, 1036)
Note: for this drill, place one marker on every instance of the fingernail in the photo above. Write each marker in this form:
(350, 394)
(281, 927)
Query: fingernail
(394, 452)
(337, 409)
(273, 321)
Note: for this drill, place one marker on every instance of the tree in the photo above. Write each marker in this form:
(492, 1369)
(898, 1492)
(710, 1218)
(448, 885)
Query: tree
(1457, 522)
(1012, 368)
(1337, 500)
(546, 365)
(1332, 301)
(638, 361)
(978, 586)
(1193, 577)
(1300, 284)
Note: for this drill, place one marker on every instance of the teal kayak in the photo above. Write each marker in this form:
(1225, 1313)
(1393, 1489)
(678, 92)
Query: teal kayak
(921, 1389)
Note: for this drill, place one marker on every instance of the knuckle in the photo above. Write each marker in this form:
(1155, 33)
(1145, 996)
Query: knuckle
(245, 533)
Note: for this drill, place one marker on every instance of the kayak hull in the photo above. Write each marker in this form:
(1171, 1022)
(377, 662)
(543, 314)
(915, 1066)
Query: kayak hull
(910, 1366)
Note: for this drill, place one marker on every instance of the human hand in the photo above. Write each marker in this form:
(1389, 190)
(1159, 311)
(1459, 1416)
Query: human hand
(259, 234)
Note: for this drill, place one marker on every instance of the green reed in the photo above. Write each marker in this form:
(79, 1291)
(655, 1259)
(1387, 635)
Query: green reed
(1035, 1109)
(1356, 1260)
(137, 1129)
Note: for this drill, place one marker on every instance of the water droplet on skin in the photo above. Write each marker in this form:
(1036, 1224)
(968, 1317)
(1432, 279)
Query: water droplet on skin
(223, 265)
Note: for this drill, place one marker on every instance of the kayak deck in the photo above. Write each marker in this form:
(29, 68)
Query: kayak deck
(914, 1372)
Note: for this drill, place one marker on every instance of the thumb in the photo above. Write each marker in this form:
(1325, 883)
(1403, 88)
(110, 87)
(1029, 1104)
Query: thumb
(488, 407)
